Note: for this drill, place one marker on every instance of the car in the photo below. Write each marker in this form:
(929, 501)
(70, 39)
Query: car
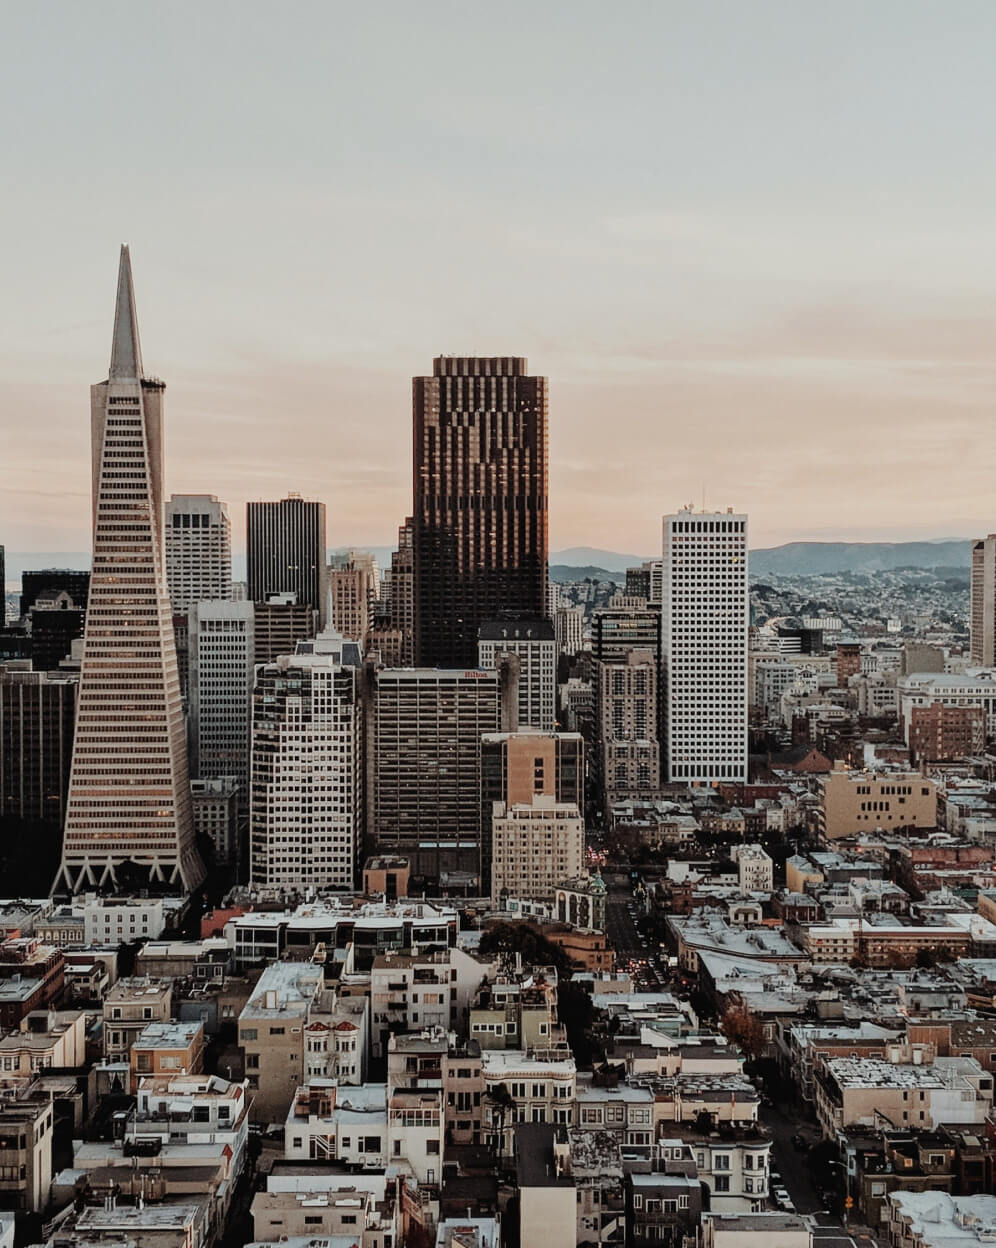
(781, 1198)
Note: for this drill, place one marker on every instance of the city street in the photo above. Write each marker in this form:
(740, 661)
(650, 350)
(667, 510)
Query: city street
(625, 939)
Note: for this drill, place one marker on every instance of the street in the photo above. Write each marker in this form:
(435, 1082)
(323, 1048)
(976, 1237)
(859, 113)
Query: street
(632, 951)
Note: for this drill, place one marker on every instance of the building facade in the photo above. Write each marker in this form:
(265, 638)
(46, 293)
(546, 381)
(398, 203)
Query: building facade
(569, 629)
(480, 502)
(534, 645)
(424, 755)
(705, 617)
(222, 649)
(629, 760)
(516, 767)
(37, 719)
(285, 550)
(535, 845)
(198, 550)
(982, 617)
(129, 788)
(306, 806)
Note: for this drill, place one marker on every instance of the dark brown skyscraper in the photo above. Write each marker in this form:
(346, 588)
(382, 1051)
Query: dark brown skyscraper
(480, 517)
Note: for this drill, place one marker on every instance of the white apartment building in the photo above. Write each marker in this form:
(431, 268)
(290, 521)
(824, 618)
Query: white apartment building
(113, 920)
(534, 644)
(705, 616)
(222, 642)
(192, 1109)
(367, 1127)
(306, 809)
(534, 1086)
(569, 629)
(755, 868)
(410, 992)
(535, 845)
(198, 538)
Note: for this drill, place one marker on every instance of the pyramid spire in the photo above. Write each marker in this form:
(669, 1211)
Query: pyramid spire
(126, 350)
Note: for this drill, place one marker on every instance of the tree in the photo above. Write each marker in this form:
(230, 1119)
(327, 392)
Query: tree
(536, 950)
(576, 1012)
(744, 1029)
(501, 1100)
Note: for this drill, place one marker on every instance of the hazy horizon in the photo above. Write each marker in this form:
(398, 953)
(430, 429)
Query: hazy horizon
(752, 247)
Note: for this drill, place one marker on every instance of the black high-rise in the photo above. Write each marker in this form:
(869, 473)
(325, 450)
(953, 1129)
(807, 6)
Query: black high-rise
(481, 502)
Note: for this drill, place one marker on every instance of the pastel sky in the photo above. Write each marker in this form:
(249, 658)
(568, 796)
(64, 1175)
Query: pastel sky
(752, 244)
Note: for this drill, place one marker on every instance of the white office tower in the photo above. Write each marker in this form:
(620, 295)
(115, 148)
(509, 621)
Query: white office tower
(533, 642)
(306, 807)
(569, 628)
(129, 790)
(198, 550)
(222, 643)
(705, 617)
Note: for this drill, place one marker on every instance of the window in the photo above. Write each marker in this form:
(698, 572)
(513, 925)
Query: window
(722, 1182)
(721, 1161)
(432, 1147)
(637, 1201)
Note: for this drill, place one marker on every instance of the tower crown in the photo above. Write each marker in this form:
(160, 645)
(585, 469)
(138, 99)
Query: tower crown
(126, 350)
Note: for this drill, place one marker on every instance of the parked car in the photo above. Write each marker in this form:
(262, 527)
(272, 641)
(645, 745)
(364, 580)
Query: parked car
(781, 1198)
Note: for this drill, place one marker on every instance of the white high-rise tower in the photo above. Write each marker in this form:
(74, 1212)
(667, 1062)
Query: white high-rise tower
(198, 550)
(704, 620)
(129, 792)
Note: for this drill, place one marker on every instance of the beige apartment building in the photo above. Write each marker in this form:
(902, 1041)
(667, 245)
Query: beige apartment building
(875, 1092)
(863, 801)
(272, 1035)
(536, 845)
(982, 619)
(352, 593)
(130, 1006)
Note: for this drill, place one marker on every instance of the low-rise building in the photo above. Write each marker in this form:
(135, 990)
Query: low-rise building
(26, 1126)
(122, 920)
(129, 1007)
(272, 1035)
(863, 801)
(358, 1208)
(937, 1220)
(756, 1230)
(547, 1193)
(872, 1092)
(755, 868)
(520, 1087)
(662, 1209)
(46, 1040)
(168, 1049)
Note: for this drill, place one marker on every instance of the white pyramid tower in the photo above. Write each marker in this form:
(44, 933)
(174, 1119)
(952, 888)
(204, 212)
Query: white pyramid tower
(129, 791)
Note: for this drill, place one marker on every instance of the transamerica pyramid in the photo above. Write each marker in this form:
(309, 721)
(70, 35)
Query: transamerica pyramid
(129, 790)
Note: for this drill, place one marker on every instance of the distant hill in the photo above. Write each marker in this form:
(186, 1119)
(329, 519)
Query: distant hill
(563, 573)
(578, 562)
(809, 558)
(591, 557)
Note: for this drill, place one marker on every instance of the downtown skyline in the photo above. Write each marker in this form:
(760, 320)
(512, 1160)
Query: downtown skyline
(788, 303)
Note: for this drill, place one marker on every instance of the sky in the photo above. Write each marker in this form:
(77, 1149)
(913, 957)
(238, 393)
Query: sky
(752, 245)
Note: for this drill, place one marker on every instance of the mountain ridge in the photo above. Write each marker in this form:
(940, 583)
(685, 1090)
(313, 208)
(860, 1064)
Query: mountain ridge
(790, 558)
